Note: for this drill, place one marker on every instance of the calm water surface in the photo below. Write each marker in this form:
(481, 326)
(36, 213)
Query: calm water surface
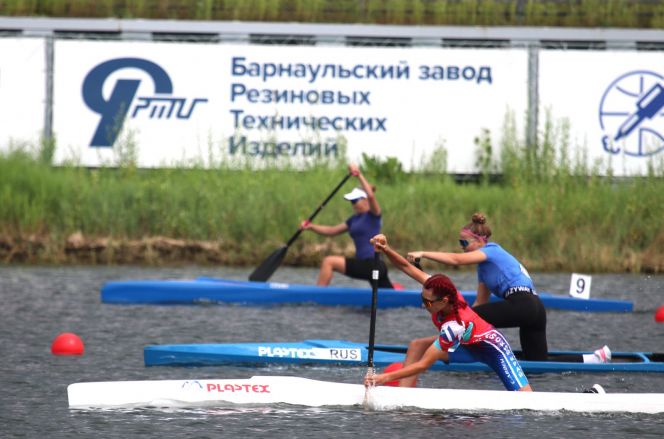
(40, 302)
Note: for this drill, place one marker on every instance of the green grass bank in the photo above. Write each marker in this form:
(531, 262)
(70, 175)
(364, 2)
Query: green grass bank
(571, 13)
(556, 221)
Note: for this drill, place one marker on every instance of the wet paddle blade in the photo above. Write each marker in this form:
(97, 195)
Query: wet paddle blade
(263, 272)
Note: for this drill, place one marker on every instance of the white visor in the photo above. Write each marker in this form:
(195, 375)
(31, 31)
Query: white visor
(355, 194)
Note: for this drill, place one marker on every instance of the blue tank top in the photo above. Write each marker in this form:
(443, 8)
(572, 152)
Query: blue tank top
(362, 227)
(501, 271)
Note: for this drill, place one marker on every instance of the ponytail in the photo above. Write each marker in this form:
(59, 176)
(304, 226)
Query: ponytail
(478, 226)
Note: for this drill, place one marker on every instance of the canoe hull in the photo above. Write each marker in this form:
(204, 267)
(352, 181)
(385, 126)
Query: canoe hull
(346, 353)
(313, 393)
(207, 290)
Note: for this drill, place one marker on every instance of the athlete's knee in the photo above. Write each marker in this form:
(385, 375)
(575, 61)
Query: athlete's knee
(335, 263)
(419, 344)
(415, 343)
(328, 261)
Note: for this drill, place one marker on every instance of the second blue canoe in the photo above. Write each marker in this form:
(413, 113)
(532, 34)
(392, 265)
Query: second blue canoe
(346, 353)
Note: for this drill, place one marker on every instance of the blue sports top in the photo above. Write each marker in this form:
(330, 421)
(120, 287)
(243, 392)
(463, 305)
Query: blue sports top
(501, 271)
(362, 227)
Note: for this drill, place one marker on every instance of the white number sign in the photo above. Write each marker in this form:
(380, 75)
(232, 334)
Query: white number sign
(580, 286)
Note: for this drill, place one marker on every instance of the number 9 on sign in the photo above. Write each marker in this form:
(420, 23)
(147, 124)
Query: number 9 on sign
(580, 286)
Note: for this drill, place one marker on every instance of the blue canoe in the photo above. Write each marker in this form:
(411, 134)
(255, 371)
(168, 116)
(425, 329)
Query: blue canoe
(210, 290)
(346, 353)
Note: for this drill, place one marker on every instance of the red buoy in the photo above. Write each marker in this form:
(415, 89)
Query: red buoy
(659, 314)
(67, 343)
(391, 368)
(398, 286)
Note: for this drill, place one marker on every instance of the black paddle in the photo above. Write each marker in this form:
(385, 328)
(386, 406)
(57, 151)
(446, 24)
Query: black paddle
(270, 265)
(371, 370)
(374, 306)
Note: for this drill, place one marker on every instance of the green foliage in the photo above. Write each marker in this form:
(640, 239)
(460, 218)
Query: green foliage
(484, 155)
(47, 150)
(549, 197)
(126, 150)
(388, 170)
(578, 13)
(436, 162)
(551, 160)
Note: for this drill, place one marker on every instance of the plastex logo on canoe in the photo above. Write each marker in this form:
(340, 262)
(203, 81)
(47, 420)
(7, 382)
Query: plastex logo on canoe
(341, 354)
(242, 388)
(114, 109)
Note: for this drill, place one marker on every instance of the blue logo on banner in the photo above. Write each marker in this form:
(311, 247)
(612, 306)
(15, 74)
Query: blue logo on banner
(631, 114)
(113, 111)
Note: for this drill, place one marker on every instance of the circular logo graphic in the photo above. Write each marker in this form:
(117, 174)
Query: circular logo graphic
(631, 114)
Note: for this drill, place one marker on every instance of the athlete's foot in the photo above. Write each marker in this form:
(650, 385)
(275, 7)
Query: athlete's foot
(603, 354)
(596, 388)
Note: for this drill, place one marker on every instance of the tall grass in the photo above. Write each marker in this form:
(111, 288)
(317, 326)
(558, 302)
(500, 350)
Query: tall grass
(581, 13)
(551, 207)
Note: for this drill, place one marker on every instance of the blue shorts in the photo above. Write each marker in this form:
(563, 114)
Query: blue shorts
(495, 352)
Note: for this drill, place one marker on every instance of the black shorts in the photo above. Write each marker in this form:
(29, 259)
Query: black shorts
(362, 268)
(524, 311)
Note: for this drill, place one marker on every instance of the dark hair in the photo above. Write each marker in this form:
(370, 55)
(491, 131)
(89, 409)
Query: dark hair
(442, 286)
(478, 226)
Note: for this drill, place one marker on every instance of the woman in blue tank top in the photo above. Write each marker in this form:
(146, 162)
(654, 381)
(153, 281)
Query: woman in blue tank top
(501, 274)
(365, 223)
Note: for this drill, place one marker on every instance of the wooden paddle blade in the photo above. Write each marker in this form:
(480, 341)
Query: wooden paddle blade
(263, 272)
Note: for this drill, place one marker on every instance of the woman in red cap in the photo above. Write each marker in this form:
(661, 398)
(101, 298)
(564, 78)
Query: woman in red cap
(365, 223)
(463, 336)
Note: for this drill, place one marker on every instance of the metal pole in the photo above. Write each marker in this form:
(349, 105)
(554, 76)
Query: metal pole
(533, 96)
(48, 107)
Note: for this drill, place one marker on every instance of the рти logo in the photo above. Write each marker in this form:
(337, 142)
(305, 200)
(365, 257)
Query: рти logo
(114, 110)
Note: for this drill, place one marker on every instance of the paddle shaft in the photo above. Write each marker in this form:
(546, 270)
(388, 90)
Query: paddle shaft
(319, 208)
(374, 306)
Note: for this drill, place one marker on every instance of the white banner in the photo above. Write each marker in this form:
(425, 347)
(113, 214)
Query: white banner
(614, 101)
(181, 104)
(22, 91)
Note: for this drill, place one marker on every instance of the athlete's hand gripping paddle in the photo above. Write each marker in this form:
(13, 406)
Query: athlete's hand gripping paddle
(371, 370)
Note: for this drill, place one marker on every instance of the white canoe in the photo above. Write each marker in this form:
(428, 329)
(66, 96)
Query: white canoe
(305, 392)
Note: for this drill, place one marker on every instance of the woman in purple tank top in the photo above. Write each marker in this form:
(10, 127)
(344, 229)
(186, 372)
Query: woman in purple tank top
(365, 223)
